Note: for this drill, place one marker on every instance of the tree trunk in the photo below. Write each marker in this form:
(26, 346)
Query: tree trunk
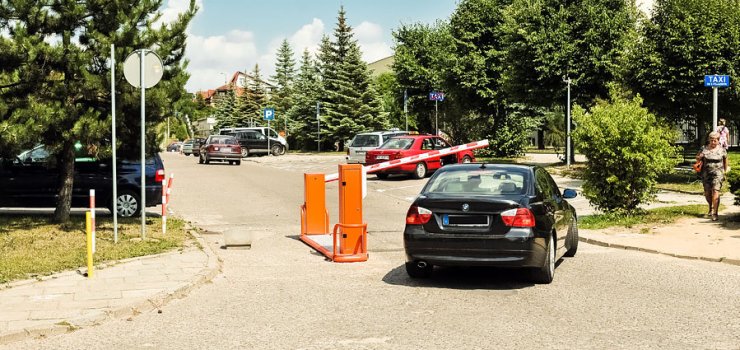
(540, 139)
(66, 181)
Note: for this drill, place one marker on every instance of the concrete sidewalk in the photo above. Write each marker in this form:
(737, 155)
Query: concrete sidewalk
(67, 301)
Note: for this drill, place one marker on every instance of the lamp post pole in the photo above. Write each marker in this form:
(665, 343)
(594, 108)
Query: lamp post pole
(567, 132)
(318, 123)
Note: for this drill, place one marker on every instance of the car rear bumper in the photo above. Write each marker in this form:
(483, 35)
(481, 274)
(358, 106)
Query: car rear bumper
(518, 248)
(223, 156)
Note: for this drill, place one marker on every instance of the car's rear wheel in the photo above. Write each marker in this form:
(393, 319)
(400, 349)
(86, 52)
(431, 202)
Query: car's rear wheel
(467, 159)
(414, 270)
(128, 204)
(382, 176)
(276, 150)
(545, 274)
(573, 237)
(421, 171)
(245, 152)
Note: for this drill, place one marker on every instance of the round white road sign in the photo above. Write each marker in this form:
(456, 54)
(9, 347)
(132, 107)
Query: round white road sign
(153, 69)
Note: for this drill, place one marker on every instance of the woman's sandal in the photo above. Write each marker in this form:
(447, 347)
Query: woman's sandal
(715, 217)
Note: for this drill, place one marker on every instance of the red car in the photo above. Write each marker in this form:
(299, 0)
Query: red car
(409, 145)
(221, 147)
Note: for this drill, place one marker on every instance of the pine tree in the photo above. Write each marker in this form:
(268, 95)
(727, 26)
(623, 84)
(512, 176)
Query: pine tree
(61, 89)
(258, 93)
(351, 103)
(302, 114)
(283, 79)
(226, 111)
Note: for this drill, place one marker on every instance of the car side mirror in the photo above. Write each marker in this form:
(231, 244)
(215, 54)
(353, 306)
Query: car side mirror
(569, 193)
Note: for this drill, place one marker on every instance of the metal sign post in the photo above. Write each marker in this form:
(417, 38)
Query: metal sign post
(318, 121)
(150, 71)
(436, 96)
(567, 124)
(113, 133)
(716, 81)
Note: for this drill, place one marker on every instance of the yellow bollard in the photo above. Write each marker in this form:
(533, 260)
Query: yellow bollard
(88, 230)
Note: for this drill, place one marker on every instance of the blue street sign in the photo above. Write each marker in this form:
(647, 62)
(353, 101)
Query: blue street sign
(717, 80)
(269, 113)
(437, 96)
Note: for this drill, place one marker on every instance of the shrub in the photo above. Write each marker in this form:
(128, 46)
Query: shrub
(627, 149)
(733, 179)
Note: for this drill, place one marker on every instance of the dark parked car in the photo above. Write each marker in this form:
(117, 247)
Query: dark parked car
(501, 215)
(222, 148)
(174, 146)
(198, 142)
(255, 142)
(32, 180)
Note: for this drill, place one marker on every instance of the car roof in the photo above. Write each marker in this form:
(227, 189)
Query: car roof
(383, 132)
(474, 166)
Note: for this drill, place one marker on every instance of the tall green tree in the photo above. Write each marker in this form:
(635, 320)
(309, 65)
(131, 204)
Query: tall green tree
(227, 114)
(302, 128)
(351, 103)
(283, 80)
(56, 68)
(258, 92)
(683, 41)
(584, 40)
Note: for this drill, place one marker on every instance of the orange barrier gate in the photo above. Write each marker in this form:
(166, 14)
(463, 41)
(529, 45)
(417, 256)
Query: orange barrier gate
(348, 241)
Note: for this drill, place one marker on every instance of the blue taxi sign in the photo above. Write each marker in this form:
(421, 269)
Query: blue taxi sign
(716, 80)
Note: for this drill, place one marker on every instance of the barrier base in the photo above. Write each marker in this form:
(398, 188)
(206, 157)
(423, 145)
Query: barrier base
(324, 244)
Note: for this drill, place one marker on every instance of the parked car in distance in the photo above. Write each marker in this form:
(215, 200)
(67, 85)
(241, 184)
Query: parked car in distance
(504, 215)
(197, 143)
(220, 148)
(32, 180)
(174, 146)
(366, 141)
(254, 142)
(410, 145)
(269, 132)
(187, 147)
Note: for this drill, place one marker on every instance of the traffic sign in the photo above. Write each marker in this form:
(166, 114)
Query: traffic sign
(269, 113)
(437, 96)
(153, 69)
(717, 80)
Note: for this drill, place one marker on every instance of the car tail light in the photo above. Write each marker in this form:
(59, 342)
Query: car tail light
(519, 217)
(418, 215)
(397, 155)
(159, 175)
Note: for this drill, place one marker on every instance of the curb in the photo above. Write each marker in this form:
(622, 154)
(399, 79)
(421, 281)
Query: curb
(213, 267)
(653, 251)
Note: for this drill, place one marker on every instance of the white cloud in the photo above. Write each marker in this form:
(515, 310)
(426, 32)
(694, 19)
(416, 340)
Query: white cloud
(308, 37)
(213, 55)
(370, 38)
(174, 8)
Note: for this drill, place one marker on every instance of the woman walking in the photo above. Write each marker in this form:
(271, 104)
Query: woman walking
(714, 158)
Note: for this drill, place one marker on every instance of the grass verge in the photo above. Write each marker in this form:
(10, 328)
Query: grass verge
(32, 246)
(665, 215)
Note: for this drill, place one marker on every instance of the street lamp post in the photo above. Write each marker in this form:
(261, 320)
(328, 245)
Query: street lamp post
(567, 126)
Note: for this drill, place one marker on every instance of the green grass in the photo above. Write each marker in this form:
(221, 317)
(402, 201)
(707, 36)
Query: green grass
(663, 216)
(31, 246)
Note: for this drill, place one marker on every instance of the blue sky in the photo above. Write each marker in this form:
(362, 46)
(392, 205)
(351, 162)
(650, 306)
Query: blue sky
(226, 36)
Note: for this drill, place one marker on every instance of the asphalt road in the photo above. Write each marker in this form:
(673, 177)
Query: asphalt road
(282, 295)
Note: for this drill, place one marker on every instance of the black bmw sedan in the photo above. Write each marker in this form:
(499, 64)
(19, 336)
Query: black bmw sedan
(503, 215)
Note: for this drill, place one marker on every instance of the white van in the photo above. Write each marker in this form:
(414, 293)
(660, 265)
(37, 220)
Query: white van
(364, 142)
(264, 130)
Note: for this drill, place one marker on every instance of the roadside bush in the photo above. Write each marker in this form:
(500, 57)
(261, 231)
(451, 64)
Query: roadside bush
(733, 179)
(627, 149)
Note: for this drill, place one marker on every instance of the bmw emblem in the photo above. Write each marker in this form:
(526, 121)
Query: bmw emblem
(465, 207)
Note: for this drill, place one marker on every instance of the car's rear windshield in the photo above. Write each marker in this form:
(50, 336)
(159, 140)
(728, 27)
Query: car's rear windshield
(366, 141)
(226, 140)
(496, 182)
(398, 143)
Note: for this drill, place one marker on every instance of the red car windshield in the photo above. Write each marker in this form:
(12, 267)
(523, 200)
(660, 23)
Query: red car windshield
(398, 143)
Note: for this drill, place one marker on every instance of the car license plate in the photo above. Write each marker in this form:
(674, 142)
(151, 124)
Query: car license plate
(226, 149)
(382, 157)
(360, 152)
